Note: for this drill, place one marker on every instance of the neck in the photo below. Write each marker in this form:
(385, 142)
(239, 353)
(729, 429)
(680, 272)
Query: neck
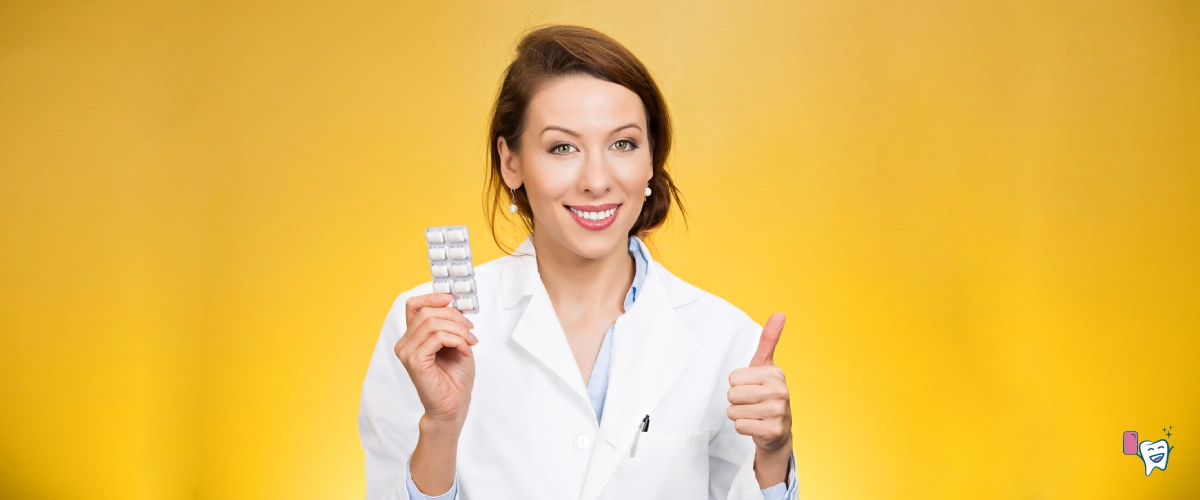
(582, 285)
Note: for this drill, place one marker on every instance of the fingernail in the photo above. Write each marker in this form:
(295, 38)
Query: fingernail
(474, 338)
(445, 297)
(468, 322)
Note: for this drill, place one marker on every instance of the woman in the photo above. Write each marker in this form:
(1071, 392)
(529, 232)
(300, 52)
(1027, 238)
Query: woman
(600, 374)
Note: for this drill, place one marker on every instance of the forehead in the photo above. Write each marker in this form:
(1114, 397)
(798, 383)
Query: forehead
(585, 104)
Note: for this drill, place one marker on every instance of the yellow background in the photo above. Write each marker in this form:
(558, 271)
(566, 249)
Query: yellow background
(983, 219)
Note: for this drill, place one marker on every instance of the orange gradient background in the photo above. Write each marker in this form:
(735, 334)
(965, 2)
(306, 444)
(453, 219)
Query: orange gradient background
(982, 218)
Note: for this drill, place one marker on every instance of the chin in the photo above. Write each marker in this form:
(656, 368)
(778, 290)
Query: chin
(596, 245)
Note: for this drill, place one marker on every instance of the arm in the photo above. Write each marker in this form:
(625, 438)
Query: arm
(394, 425)
(738, 468)
(734, 479)
(785, 490)
(415, 494)
(436, 457)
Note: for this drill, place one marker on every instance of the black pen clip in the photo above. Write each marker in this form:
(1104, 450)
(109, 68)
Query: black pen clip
(642, 427)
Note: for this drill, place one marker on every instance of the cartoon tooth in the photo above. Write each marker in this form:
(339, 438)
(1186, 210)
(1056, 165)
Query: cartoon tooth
(1154, 454)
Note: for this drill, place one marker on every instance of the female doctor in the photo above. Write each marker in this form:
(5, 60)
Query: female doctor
(590, 372)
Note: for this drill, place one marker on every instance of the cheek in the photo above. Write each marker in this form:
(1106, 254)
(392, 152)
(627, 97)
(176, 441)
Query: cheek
(647, 169)
(544, 185)
(636, 183)
(635, 170)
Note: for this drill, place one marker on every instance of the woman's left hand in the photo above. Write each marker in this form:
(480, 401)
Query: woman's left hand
(760, 406)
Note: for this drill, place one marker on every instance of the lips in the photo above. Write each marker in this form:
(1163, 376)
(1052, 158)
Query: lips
(594, 225)
(593, 208)
(1156, 458)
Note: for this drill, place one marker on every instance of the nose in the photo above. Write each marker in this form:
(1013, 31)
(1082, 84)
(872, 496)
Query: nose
(596, 176)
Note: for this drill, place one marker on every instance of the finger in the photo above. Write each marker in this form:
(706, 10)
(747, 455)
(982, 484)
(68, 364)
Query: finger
(767, 409)
(765, 355)
(434, 324)
(447, 311)
(414, 304)
(756, 375)
(452, 327)
(756, 393)
(775, 408)
(433, 321)
(437, 342)
(767, 429)
(425, 314)
(414, 334)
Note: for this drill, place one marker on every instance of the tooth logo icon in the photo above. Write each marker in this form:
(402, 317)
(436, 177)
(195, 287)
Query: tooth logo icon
(1154, 454)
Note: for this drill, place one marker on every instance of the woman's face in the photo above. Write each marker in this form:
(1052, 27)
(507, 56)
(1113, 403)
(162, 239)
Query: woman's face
(585, 161)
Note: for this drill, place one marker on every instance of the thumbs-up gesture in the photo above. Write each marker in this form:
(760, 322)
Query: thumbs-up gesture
(758, 397)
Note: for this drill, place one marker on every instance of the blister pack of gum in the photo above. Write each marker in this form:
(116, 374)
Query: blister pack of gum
(450, 265)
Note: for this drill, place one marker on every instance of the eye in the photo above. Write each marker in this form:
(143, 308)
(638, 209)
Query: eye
(624, 145)
(561, 149)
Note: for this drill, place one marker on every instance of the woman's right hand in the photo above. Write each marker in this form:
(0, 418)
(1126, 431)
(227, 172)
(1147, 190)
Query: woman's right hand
(436, 351)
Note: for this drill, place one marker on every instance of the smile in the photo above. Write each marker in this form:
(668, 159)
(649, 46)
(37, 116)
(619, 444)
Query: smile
(1156, 458)
(593, 217)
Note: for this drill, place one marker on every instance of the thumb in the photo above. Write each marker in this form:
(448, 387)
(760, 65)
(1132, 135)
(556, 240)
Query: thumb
(765, 355)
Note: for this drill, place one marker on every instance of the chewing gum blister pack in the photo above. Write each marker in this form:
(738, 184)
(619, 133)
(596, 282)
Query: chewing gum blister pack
(450, 266)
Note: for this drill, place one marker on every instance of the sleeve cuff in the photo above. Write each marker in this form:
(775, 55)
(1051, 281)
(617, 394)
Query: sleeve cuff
(415, 494)
(786, 490)
(777, 492)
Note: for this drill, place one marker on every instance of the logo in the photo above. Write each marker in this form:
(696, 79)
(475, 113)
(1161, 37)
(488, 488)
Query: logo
(1154, 454)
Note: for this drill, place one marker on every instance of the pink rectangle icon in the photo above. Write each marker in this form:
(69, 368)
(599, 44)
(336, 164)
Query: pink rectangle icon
(1129, 443)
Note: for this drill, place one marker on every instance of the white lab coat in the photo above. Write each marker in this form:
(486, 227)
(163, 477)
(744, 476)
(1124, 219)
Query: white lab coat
(531, 433)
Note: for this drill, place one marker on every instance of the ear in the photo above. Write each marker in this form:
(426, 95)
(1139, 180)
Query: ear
(510, 165)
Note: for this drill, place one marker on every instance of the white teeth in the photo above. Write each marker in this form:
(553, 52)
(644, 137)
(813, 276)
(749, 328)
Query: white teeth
(594, 215)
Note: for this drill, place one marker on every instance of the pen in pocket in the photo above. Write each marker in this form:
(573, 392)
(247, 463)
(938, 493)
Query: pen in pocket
(642, 427)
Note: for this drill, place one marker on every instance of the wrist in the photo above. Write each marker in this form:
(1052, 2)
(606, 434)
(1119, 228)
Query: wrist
(783, 450)
(438, 430)
(435, 457)
(771, 466)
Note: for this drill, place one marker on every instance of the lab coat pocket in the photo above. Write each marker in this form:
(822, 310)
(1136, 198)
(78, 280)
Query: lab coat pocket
(664, 466)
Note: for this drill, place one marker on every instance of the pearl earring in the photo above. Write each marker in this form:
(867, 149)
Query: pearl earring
(512, 207)
(647, 190)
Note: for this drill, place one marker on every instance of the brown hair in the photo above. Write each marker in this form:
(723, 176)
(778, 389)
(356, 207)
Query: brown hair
(555, 51)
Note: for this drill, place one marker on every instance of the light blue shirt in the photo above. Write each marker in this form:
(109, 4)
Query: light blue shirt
(598, 385)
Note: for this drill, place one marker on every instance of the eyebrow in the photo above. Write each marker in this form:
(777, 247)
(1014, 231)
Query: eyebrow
(576, 134)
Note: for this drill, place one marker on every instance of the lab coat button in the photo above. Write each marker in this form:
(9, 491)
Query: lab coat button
(583, 442)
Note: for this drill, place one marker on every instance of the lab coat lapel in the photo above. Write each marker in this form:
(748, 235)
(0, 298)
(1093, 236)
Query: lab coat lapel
(651, 348)
(538, 331)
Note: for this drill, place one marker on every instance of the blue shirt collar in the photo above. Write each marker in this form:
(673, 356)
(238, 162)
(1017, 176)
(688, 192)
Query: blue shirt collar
(638, 251)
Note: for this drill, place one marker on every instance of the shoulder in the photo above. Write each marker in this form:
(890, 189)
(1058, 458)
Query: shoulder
(707, 314)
